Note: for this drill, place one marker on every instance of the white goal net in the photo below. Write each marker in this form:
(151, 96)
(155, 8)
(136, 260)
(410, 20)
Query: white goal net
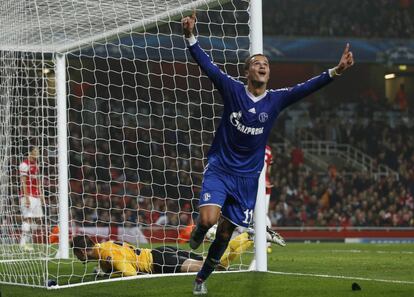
(140, 117)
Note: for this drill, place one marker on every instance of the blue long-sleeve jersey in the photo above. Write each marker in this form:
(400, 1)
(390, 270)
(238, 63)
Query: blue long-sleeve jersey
(239, 143)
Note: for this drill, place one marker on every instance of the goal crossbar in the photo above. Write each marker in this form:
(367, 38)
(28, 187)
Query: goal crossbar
(72, 43)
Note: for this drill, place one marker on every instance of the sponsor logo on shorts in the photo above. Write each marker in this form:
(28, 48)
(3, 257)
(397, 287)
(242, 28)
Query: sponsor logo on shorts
(206, 196)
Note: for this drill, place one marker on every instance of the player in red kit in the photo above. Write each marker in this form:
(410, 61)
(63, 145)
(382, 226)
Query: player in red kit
(269, 186)
(31, 200)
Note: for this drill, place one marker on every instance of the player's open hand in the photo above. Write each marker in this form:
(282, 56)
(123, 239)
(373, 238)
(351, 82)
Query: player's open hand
(347, 60)
(189, 24)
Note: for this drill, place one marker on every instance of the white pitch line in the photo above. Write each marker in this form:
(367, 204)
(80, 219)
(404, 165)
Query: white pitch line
(343, 277)
(23, 260)
(355, 251)
(143, 276)
(374, 252)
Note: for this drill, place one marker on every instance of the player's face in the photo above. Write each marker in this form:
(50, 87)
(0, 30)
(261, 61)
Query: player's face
(34, 154)
(259, 70)
(81, 254)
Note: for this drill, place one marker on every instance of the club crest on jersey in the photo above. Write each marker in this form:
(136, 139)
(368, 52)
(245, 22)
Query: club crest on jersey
(263, 117)
(206, 196)
(235, 121)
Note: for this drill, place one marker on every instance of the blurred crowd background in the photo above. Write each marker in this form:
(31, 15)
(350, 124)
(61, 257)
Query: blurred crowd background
(139, 130)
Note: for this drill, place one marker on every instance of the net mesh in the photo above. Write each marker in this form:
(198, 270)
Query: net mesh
(141, 117)
(28, 118)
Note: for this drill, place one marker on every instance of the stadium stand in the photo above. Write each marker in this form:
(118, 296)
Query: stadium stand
(368, 18)
(328, 197)
(346, 197)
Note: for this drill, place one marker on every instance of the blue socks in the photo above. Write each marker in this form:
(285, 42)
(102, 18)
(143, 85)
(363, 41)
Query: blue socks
(215, 252)
(199, 232)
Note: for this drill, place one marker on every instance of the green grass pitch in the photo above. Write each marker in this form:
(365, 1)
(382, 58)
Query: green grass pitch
(325, 269)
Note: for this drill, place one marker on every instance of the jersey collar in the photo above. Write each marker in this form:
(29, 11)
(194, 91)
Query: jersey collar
(253, 97)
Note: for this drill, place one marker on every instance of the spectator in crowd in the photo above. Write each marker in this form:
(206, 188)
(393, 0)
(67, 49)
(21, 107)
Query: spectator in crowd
(401, 98)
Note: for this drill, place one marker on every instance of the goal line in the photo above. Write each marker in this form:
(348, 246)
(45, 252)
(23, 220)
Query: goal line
(343, 277)
(144, 276)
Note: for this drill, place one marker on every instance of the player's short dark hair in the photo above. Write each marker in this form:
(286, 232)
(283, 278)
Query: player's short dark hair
(32, 147)
(249, 59)
(82, 242)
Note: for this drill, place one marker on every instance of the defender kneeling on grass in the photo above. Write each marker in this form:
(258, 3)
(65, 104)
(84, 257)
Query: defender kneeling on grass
(123, 259)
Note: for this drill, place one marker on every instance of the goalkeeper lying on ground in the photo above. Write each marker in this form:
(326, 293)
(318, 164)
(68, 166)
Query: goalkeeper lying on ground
(122, 259)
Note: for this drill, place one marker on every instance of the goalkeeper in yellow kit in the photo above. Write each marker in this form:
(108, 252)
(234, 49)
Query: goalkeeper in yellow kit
(123, 259)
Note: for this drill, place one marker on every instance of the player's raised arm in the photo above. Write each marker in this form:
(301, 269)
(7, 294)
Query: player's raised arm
(294, 94)
(219, 78)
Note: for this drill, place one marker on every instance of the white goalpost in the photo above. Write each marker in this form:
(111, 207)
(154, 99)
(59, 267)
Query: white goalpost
(60, 71)
(122, 118)
(256, 46)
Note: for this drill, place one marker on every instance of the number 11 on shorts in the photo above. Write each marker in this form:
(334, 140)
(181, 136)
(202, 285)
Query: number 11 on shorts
(249, 216)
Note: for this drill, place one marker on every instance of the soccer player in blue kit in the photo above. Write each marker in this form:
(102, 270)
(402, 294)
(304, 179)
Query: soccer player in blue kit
(236, 157)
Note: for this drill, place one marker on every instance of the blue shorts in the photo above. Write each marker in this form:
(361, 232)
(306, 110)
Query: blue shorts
(235, 195)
